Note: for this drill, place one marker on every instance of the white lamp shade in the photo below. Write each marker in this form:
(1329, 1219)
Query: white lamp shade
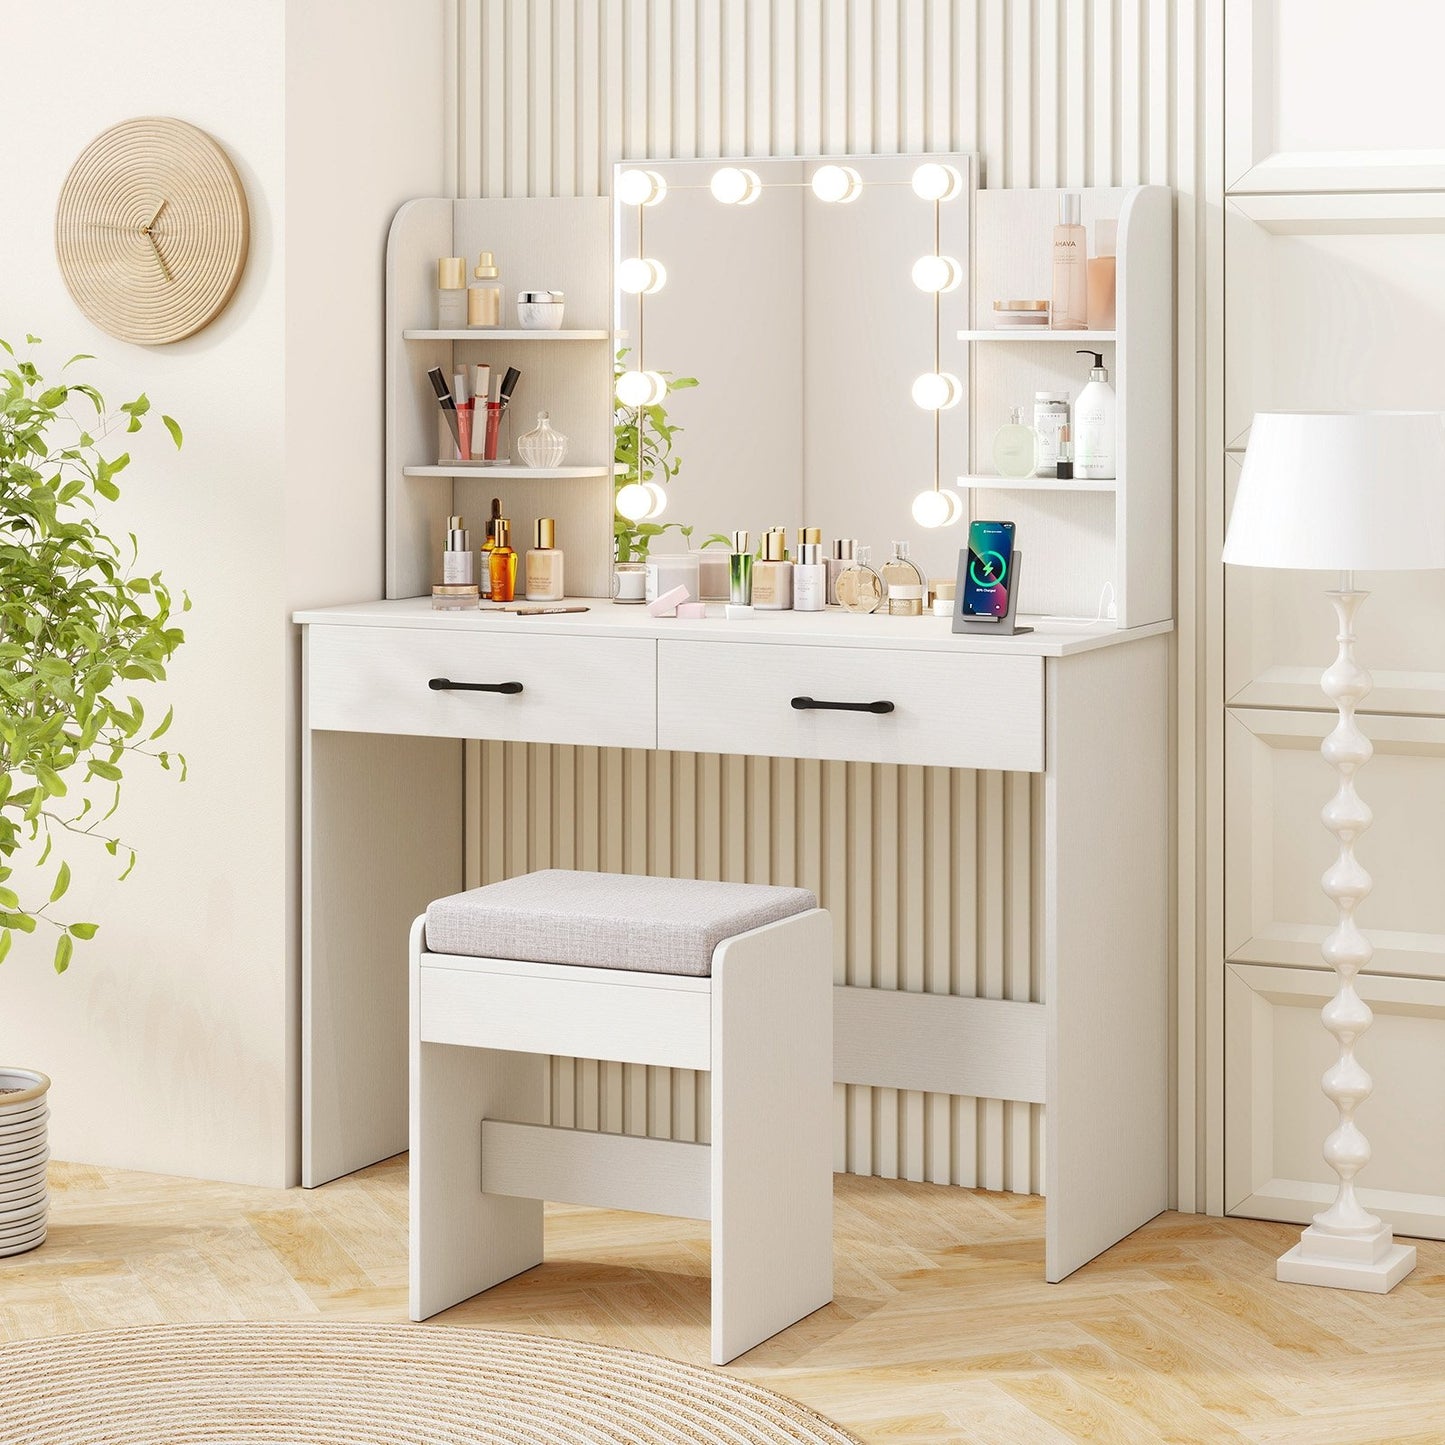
(1341, 491)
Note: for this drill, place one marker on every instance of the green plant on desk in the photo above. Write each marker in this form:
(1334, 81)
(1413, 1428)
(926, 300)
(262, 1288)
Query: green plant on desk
(78, 626)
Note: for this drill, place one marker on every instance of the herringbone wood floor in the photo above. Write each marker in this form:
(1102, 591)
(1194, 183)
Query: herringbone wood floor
(942, 1329)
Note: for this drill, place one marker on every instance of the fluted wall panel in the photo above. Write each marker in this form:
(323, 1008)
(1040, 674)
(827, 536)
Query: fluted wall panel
(927, 872)
(543, 96)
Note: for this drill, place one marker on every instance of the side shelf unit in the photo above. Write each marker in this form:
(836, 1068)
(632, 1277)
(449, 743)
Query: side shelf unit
(1090, 543)
(551, 244)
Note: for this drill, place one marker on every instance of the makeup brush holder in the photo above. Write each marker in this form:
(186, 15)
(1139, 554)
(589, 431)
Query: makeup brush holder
(490, 438)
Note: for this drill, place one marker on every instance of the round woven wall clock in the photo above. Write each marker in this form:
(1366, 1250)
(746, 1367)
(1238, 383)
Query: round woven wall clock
(151, 230)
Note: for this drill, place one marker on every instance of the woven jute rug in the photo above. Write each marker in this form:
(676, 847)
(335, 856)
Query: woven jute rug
(344, 1384)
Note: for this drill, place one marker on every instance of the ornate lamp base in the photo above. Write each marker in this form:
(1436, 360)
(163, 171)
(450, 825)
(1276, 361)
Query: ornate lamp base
(1347, 1247)
(1370, 1262)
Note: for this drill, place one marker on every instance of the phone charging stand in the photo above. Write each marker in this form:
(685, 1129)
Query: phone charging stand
(1004, 626)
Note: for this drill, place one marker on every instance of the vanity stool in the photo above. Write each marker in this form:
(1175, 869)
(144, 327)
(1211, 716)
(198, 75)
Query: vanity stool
(727, 977)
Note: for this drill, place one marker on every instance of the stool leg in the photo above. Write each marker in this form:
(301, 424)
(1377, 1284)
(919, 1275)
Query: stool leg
(772, 1113)
(462, 1240)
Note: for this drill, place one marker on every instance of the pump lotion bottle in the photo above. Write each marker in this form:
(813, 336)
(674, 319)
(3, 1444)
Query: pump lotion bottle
(810, 572)
(1094, 425)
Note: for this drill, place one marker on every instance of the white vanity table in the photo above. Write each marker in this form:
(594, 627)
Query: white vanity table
(1067, 1006)
(1084, 706)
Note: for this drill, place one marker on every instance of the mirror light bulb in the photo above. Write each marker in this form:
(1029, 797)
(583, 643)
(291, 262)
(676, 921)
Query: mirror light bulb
(936, 509)
(640, 276)
(936, 273)
(658, 500)
(937, 390)
(640, 388)
(634, 502)
(934, 181)
(640, 188)
(837, 183)
(735, 186)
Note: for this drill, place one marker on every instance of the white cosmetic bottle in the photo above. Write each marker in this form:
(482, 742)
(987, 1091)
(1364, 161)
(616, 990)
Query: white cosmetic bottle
(810, 573)
(1094, 425)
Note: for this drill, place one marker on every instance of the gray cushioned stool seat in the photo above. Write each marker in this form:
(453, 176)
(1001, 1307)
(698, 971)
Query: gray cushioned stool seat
(606, 920)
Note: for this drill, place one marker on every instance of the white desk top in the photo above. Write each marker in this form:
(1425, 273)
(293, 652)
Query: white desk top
(833, 628)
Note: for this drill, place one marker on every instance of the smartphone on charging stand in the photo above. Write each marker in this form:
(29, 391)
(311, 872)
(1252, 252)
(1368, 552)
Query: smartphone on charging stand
(989, 573)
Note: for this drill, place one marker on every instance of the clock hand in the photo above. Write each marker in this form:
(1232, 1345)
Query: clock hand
(147, 227)
(160, 260)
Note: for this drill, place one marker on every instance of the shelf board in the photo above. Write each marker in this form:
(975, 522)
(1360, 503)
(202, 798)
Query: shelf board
(1035, 333)
(1036, 484)
(540, 474)
(491, 333)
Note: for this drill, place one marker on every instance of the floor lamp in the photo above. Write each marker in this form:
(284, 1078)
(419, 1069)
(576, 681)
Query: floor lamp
(1345, 492)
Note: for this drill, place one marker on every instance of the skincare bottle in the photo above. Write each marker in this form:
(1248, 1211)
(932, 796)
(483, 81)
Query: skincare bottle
(1094, 425)
(1101, 276)
(1070, 308)
(810, 572)
(1013, 447)
(544, 563)
(451, 293)
(488, 542)
(459, 562)
(900, 570)
(484, 295)
(1051, 415)
(502, 562)
(844, 551)
(860, 588)
(740, 572)
(773, 574)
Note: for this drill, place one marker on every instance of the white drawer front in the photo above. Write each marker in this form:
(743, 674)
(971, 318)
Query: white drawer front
(970, 711)
(594, 690)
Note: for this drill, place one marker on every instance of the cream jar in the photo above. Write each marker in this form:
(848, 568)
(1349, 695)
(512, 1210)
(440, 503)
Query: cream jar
(943, 593)
(629, 582)
(906, 599)
(539, 310)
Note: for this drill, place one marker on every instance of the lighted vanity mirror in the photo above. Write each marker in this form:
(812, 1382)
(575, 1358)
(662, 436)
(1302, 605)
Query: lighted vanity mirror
(788, 290)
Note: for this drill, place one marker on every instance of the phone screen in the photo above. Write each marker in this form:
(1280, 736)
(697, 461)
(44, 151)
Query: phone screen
(990, 567)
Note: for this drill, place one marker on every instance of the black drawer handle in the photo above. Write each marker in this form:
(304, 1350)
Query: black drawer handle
(445, 684)
(808, 704)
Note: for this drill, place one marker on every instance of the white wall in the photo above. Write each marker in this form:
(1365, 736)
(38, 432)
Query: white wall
(171, 1039)
(549, 93)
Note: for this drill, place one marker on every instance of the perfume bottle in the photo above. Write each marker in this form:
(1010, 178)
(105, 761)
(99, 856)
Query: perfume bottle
(1101, 272)
(900, 570)
(1013, 447)
(543, 446)
(1070, 309)
(773, 574)
(859, 587)
(502, 562)
(740, 572)
(544, 563)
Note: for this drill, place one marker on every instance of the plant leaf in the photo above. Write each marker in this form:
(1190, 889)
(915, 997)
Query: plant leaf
(174, 427)
(64, 947)
(83, 930)
(62, 882)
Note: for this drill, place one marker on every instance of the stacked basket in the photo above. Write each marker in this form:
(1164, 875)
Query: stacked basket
(24, 1198)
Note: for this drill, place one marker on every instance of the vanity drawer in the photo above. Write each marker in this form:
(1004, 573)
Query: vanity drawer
(972, 710)
(596, 690)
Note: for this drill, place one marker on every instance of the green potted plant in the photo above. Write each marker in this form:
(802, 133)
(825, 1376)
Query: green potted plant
(645, 450)
(80, 626)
